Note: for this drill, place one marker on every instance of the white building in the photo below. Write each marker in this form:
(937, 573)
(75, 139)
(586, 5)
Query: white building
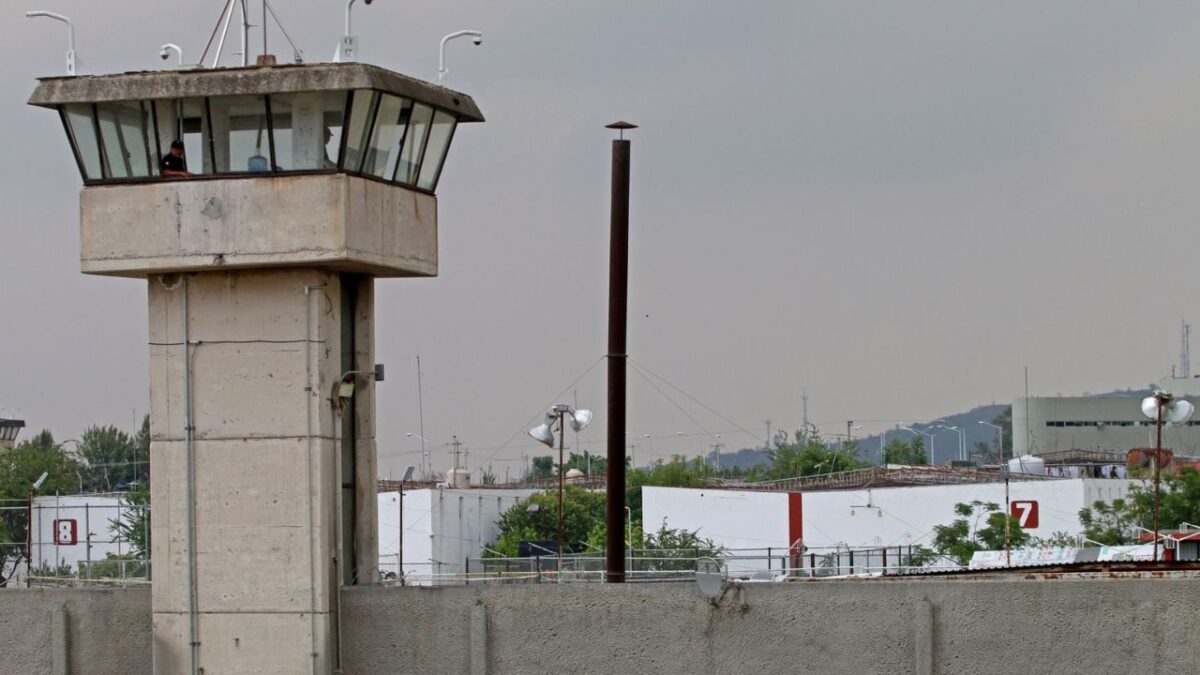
(89, 518)
(443, 527)
(863, 518)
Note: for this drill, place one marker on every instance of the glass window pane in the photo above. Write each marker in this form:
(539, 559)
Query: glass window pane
(239, 130)
(193, 129)
(390, 123)
(83, 132)
(308, 130)
(125, 129)
(358, 129)
(435, 149)
(414, 145)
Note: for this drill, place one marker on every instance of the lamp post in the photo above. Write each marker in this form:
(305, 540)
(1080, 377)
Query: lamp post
(999, 439)
(34, 487)
(962, 441)
(442, 69)
(544, 433)
(1163, 407)
(70, 34)
(922, 433)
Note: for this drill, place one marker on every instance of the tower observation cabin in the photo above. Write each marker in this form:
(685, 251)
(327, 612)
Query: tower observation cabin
(339, 134)
(258, 205)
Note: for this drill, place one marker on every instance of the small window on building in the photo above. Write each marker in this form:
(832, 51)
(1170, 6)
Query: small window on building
(391, 125)
(358, 129)
(240, 138)
(307, 129)
(440, 134)
(193, 129)
(127, 132)
(414, 145)
(82, 127)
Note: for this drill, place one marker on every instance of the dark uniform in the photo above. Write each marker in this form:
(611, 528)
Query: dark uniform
(170, 162)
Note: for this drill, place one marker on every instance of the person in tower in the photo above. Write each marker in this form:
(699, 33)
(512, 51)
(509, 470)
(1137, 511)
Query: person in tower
(174, 164)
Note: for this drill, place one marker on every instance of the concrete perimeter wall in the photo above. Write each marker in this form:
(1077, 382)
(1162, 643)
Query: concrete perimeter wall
(854, 627)
(60, 631)
(994, 625)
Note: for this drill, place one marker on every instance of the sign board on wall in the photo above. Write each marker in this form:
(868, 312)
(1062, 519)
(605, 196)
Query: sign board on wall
(66, 532)
(1026, 513)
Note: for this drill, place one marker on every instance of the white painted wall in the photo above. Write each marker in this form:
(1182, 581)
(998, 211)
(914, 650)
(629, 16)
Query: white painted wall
(861, 518)
(93, 514)
(442, 528)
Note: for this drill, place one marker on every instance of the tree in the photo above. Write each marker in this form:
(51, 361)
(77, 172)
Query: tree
(588, 463)
(19, 469)
(807, 455)
(488, 477)
(1113, 523)
(134, 523)
(113, 458)
(543, 467)
(582, 510)
(899, 451)
(963, 536)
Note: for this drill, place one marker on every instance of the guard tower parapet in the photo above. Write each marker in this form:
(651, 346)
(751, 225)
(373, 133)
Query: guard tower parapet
(333, 165)
(309, 181)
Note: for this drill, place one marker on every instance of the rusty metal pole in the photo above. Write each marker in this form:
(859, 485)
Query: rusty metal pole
(618, 301)
(562, 435)
(1157, 471)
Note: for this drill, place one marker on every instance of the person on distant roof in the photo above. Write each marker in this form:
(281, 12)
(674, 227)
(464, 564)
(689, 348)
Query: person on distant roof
(174, 164)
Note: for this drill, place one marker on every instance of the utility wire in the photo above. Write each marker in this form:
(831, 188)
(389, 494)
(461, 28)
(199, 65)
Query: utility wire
(693, 398)
(551, 403)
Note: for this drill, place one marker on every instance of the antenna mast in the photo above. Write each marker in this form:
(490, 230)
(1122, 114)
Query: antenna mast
(1185, 350)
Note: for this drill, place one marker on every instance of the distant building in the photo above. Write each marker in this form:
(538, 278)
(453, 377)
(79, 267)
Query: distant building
(8, 432)
(443, 527)
(1044, 425)
(759, 528)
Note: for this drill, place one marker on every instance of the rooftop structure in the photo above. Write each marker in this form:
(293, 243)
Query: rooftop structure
(8, 432)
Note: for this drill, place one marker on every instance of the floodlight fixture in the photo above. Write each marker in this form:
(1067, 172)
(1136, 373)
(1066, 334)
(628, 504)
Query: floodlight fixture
(37, 484)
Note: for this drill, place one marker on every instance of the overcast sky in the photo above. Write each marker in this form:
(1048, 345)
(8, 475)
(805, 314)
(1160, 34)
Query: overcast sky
(896, 206)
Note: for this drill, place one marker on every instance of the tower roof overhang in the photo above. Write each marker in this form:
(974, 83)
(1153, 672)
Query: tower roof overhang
(279, 79)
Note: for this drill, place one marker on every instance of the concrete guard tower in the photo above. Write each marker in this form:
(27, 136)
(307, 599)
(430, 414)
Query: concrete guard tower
(309, 182)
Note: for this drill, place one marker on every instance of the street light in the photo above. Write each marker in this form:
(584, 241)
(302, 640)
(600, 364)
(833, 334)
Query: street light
(999, 439)
(442, 69)
(962, 439)
(70, 35)
(1163, 407)
(544, 433)
(915, 432)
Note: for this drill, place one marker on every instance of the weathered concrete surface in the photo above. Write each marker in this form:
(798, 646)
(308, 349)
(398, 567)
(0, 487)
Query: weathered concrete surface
(61, 631)
(275, 510)
(281, 79)
(334, 221)
(920, 626)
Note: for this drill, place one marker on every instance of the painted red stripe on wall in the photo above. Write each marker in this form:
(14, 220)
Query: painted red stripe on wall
(795, 518)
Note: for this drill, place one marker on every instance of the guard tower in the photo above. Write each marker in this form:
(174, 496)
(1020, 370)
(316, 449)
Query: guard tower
(309, 182)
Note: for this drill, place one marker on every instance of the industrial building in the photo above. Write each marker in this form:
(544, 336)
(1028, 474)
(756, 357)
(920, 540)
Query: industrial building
(901, 516)
(443, 528)
(1111, 423)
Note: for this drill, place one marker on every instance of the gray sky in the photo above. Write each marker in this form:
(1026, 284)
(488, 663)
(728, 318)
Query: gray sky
(895, 206)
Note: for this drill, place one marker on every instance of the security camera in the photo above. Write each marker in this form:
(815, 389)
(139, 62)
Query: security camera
(367, 2)
(163, 54)
(478, 40)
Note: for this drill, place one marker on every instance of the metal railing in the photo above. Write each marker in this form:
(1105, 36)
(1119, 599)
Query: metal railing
(662, 565)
